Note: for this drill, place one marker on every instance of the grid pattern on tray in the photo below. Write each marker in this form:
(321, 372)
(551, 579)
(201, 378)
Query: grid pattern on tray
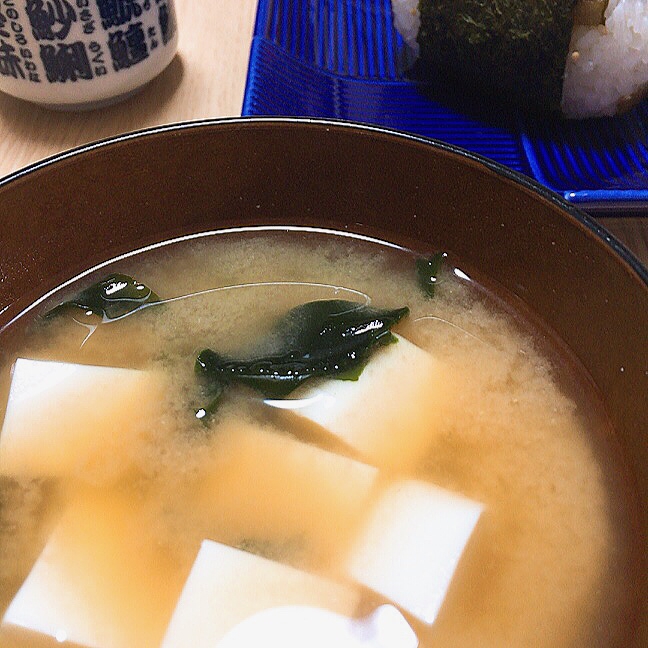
(345, 37)
(343, 59)
(395, 104)
(606, 153)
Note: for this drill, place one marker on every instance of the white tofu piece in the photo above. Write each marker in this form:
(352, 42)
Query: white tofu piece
(388, 415)
(269, 488)
(67, 419)
(100, 582)
(227, 585)
(297, 626)
(411, 545)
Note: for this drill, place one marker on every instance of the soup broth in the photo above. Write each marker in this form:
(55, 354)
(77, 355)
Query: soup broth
(513, 428)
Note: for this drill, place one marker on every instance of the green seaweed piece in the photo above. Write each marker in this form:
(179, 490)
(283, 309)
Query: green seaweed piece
(206, 414)
(329, 338)
(111, 298)
(512, 50)
(428, 270)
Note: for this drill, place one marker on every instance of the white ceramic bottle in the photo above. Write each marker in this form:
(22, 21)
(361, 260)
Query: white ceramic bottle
(80, 54)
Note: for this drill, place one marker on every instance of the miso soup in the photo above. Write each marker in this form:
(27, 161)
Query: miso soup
(210, 451)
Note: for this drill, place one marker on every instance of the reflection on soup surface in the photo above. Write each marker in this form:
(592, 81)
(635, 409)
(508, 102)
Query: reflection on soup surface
(269, 426)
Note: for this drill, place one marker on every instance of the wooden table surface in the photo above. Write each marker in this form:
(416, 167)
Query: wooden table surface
(206, 79)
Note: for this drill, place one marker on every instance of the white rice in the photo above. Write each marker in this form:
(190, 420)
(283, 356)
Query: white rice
(407, 21)
(607, 65)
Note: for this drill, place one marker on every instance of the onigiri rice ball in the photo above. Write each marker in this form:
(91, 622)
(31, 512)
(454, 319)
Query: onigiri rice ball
(583, 58)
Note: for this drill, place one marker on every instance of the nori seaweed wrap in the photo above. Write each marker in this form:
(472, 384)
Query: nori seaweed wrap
(512, 48)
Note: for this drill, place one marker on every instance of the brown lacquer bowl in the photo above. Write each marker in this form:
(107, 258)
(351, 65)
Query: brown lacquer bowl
(67, 214)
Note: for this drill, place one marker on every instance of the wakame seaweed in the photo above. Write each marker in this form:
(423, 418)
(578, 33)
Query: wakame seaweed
(111, 298)
(427, 270)
(515, 49)
(329, 338)
(214, 394)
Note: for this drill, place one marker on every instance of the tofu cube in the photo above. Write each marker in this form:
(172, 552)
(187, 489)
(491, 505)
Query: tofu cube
(296, 626)
(411, 545)
(67, 419)
(227, 586)
(388, 415)
(100, 582)
(269, 488)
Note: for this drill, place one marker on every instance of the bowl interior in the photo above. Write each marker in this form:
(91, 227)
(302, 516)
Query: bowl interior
(59, 219)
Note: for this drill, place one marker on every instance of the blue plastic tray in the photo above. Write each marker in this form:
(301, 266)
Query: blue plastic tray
(343, 59)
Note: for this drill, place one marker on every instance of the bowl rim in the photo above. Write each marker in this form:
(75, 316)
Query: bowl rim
(608, 239)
